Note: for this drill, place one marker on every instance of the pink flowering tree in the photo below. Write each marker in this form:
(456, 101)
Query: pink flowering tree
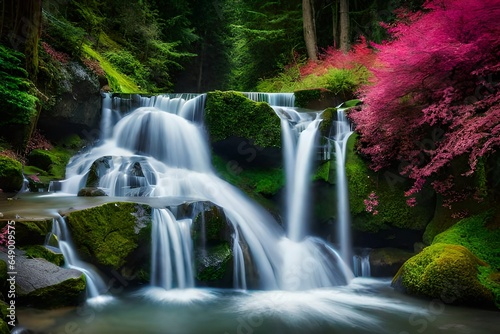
(438, 74)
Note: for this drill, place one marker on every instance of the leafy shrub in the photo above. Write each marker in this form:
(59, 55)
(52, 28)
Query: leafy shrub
(62, 34)
(17, 105)
(126, 63)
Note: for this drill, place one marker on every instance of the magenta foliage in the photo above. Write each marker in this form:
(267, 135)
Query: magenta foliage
(437, 72)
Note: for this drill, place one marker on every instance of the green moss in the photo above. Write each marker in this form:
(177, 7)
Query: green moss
(351, 103)
(53, 162)
(11, 175)
(32, 232)
(473, 233)
(39, 251)
(73, 142)
(323, 172)
(3, 276)
(328, 116)
(215, 224)
(117, 81)
(448, 272)
(213, 265)
(108, 233)
(67, 293)
(304, 97)
(4, 328)
(231, 114)
(255, 182)
(389, 187)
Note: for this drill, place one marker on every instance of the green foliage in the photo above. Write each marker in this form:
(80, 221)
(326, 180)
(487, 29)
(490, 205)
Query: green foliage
(64, 35)
(392, 209)
(106, 233)
(11, 175)
(117, 81)
(229, 114)
(17, 104)
(322, 172)
(127, 64)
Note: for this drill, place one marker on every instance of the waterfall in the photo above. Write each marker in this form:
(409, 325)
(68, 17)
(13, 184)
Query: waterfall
(94, 284)
(342, 131)
(171, 263)
(308, 262)
(274, 99)
(160, 150)
(361, 265)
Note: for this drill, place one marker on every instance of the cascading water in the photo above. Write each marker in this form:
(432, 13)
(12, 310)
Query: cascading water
(308, 262)
(361, 265)
(160, 150)
(342, 131)
(95, 285)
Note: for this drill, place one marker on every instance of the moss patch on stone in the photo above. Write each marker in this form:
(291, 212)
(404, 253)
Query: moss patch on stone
(448, 272)
(213, 265)
(304, 97)
(39, 251)
(254, 181)
(107, 233)
(31, 232)
(328, 116)
(51, 161)
(389, 187)
(215, 223)
(11, 174)
(231, 114)
(68, 292)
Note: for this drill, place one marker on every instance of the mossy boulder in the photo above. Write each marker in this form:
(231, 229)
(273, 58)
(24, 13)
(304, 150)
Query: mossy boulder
(447, 272)
(11, 174)
(389, 187)
(42, 284)
(109, 233)
(213, 263)
(53, 162)
(31, 232)
(42, 252)
(316, 98)
(214, 222)
(385, 262)
(231, 114)
(91, 192)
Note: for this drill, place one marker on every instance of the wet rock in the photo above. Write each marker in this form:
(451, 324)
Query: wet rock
(42, 284)
(11, 175)
(91, 192)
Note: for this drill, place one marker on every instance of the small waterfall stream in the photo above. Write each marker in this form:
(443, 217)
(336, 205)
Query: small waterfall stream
(95, 285)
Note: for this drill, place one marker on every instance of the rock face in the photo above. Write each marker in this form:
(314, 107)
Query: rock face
(42, 284)
(385, 262)
(77, 104)
(91, 192)
(447, 272)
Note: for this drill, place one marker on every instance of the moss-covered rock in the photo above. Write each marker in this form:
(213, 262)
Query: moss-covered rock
(389, 188)
(3, 276)
(447, 272)
(51, 161)
(231, 114)
(11, 174)
(107, 234)
(31, 232)
(316, 98)
(91, 192)
(214, 221)
(4, 328)
(212, 263)
(42, 252)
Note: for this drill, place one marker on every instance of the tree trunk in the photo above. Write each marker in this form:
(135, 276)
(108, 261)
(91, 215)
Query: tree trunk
(309, 29)
(335, 20)
(344, 25)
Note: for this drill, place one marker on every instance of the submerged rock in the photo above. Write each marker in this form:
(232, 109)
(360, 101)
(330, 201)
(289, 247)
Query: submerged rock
(42, 284)
(446, 272)
(91, 192)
